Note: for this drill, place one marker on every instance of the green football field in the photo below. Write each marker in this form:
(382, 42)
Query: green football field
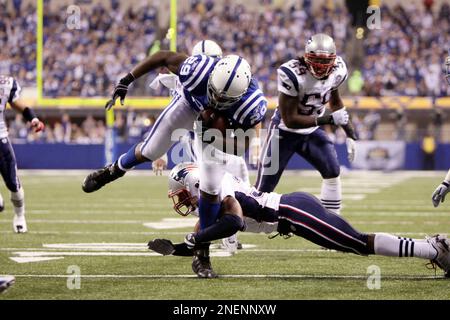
(102, 237)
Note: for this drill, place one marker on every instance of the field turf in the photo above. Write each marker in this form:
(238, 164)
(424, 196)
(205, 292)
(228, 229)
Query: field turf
(103, 235)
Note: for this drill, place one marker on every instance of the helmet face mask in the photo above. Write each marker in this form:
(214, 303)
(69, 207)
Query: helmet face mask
(320, 55)
(320, 65)
(183, 202)
(184, 185)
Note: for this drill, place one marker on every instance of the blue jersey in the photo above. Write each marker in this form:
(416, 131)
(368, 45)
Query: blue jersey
(194, 74)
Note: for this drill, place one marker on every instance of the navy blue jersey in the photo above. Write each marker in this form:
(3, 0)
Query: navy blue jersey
(194, 74)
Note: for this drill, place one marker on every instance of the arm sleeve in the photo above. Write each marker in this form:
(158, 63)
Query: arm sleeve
(15, 91)
(287, 81)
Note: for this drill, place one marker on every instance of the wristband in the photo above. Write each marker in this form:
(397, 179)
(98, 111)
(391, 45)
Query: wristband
(324, 120)
(129, 78)
(28, 114)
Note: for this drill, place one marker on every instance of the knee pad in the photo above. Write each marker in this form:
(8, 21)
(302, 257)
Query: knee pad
(18, 198)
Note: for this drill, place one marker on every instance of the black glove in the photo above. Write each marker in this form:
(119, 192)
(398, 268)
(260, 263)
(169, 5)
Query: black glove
(120, 91)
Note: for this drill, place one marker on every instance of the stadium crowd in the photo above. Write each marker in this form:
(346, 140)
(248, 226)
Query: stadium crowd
(18, 40)
(404, 57)
(86, 57)
(130, 127)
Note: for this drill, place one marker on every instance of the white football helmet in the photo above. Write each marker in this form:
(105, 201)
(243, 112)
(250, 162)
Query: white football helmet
(184, 182)
(320, 54)
(228, 82)
(207, 47)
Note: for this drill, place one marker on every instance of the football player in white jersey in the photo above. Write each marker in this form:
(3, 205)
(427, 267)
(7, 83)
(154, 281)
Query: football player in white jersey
(212, 89)
(298, 213)
(10, 94)
(305, 86)
(442, 189)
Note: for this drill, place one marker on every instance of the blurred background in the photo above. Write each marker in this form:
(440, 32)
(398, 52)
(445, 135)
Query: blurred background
(396, 90)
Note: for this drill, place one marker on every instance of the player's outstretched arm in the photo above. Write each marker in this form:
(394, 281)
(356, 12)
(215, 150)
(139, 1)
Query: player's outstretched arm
(441, 191)
(28, 114)
(163, 58)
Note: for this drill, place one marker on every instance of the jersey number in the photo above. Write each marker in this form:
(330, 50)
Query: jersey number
(187, 66)
(313, 101)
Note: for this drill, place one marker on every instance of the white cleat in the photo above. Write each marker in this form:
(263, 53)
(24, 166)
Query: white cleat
(20, 224)
(230, 244)
(442, 246)
(6, 282)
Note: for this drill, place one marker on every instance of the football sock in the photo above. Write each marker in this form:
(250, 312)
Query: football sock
(227, 226)
(18, 201)
(2, 204)
(208, 212)
(392, 246)
(331, 194)
(128, 160)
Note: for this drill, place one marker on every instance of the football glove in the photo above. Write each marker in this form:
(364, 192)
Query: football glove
(440, 193)
(120, 91)
(37, 125)
(340, 117)
(162, 246)
(351, 149)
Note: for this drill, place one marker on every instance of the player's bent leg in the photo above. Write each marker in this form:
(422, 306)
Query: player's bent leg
(8, 168)
(321, 153)
(270, 168)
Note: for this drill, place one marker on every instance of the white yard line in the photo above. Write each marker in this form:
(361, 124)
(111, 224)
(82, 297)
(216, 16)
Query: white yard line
(242, 276)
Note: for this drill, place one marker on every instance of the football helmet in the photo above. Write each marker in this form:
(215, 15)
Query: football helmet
(320, 54)
(184, 182)
(228, 82)
(447, 68)
(207, 47)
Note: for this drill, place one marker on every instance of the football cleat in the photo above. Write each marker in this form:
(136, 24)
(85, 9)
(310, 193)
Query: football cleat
(231, 244)
(6, 282)
(97, 179)
(20, 224)
(442, 246)
(162, 246)
(201, 264)
(2, 204)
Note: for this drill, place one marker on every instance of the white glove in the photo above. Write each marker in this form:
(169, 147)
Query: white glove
(351, 149)
(440, 192)
(254, 150)
(340, 117)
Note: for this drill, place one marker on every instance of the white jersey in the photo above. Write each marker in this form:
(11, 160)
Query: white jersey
(295, 80)
(9, 92)
(231, 185)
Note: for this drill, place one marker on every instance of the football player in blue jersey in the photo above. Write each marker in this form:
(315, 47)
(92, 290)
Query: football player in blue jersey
(296, 213)
(225, 86)
(10, 94)
(305, 86)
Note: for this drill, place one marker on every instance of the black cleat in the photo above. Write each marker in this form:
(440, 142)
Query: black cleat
(201, 264)
(97, 179)
(162, 246)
